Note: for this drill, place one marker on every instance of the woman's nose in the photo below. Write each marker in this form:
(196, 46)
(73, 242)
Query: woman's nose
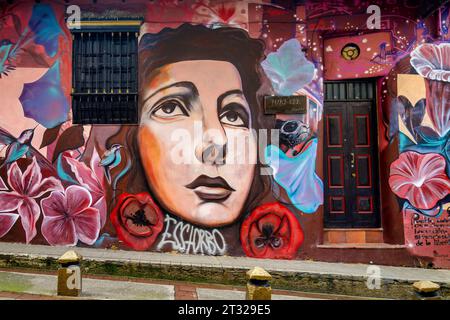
(212, 154)
(213, 148)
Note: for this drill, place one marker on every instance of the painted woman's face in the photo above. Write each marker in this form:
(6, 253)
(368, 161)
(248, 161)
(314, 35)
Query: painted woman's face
(195, 141)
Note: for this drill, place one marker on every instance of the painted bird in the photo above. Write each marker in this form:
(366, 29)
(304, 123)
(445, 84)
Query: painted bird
(111, 159)
(18, 147)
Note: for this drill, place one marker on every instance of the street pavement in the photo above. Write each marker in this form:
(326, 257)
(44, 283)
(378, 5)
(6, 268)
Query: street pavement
(40, 284)
(37, 286)
(351, 270)
(344, 279)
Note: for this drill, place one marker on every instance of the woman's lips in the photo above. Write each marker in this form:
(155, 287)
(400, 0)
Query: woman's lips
(212, 194)
(211, 189)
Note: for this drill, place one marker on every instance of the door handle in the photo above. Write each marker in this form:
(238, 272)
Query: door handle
(353, 158)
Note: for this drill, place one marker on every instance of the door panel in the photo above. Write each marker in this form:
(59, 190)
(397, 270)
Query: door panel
(336, 164)
(350, 153)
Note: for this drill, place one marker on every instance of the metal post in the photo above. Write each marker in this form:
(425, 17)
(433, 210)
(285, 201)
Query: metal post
(258, 285)
(69, 274)
(426, 290)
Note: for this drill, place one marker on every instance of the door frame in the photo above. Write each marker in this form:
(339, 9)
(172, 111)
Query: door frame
(373, 100)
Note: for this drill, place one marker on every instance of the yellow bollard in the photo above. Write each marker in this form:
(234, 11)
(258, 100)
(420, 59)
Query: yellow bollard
(69, 274)
(426, 290)
(258, 286)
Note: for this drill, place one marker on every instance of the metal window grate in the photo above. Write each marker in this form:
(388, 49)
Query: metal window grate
(105, 77)
(349, 90)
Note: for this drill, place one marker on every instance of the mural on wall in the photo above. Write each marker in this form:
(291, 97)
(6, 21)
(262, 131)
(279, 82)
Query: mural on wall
(420, 176)
(192, 175)
(205, 170)
(34, 53)
(409, 59)
(369, 55)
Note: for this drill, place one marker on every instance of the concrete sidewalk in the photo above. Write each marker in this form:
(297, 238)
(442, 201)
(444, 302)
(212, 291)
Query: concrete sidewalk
(38, 286)
(45, 285)
(321, 277)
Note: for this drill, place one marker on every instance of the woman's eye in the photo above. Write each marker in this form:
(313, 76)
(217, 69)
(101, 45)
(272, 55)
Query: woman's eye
(232, 118)
(235, 114)
(170, 109)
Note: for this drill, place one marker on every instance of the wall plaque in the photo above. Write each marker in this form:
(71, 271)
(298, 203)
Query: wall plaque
(285, 104)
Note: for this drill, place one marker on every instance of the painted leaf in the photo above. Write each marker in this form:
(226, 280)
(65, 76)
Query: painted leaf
(411, 116)
(44, 99)
(50, 136)
(40, 60)
(17, 24)
(427, 135)
(434, 212)
(71, 139)
(288, 69)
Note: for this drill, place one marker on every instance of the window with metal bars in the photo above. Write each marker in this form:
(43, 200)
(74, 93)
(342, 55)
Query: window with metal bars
(349, 90)
(104, 78)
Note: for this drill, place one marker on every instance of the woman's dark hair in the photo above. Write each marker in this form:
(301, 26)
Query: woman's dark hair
(197, 42)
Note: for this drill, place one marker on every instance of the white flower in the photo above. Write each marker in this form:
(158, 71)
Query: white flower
(288, 69)
(432, 61)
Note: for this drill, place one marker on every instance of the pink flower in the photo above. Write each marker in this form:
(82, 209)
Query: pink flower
(69, 217)
(91, 179)
(420, 178)
(21, 201)
(2, 185)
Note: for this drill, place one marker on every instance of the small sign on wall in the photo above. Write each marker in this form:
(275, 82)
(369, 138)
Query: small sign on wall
(285, 104)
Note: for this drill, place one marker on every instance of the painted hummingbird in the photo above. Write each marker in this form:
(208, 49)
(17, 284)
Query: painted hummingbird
(111, 159)
(17, 148)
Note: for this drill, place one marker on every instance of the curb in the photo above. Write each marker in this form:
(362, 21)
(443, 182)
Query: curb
(283, 280)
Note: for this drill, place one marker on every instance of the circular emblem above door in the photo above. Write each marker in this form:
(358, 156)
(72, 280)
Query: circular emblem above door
(350, 51)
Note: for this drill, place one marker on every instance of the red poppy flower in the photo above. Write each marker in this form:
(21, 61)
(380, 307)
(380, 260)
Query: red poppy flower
(420, 178)
(137, 220)
(271, 231)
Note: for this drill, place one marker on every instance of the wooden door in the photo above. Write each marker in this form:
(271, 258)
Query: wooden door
(350, 165)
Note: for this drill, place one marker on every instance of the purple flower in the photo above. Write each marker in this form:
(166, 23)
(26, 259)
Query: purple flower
(44, 99)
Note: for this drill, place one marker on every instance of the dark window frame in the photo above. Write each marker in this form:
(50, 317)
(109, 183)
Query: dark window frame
(105, 72)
